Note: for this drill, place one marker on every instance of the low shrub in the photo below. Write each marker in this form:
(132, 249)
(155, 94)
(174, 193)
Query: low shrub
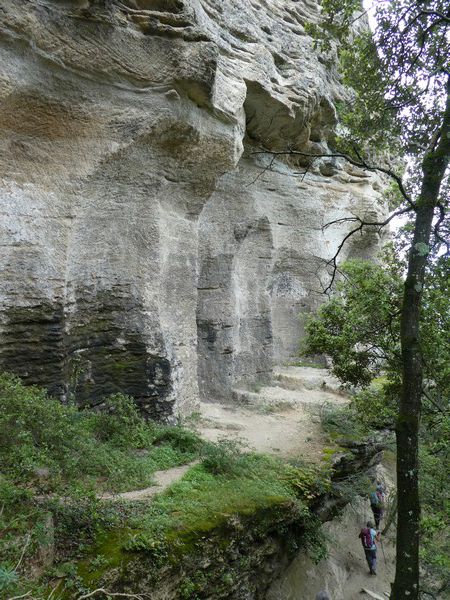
(242, 484)
(223, 458)
(343, 422)
(69, 455)
(179, 438)
(54, 447)
(376, 407)
(120, 424)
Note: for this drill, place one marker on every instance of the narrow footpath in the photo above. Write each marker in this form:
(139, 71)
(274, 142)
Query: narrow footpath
(284, 418)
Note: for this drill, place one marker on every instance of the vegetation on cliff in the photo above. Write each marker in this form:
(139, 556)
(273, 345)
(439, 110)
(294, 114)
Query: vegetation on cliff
(400, 74)
(359, 328)
(58, 533)
(56, 458)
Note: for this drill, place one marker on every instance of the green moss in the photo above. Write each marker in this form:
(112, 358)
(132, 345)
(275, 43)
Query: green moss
(80, 453)
(230, 497)
(201, 502)
(109, 545)
(215, 515)
(328, 453)
(122, 365)
(89, 572)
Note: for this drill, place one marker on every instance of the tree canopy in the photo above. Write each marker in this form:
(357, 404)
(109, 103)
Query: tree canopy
(399, 113)
(359, 328)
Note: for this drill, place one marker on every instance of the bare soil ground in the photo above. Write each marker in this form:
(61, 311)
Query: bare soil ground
(283, 419)
(163, 479)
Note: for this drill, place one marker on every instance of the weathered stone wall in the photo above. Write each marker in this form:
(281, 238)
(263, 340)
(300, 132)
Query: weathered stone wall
(144, 248)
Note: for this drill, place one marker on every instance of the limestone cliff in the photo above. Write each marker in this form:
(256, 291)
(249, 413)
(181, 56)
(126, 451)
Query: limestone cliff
(145, 248)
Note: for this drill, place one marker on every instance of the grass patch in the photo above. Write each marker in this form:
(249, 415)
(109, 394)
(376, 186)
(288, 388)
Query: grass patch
(65, 456)
(202, 501)
(212, 492)
(227, 486)
(53, 448)
(52, 451)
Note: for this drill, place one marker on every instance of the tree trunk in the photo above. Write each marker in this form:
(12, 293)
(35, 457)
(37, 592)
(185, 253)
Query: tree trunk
(406, 584)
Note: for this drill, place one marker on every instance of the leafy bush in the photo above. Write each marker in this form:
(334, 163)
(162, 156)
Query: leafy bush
(120, 424)
(223, 458)
(375, 407)
(35, 430)
(309, 481)
(355, 327)
(343, 422)
(56, 447)
(183, 440)
(434, 458)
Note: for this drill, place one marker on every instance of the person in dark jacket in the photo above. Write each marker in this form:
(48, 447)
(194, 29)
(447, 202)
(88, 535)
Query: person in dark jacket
(377, 500)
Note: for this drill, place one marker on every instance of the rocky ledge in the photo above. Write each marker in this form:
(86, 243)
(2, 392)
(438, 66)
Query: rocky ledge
(146, 248)
(238, 557)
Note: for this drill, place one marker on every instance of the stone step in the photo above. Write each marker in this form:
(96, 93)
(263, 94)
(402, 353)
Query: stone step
(306, 378)
(283, 398)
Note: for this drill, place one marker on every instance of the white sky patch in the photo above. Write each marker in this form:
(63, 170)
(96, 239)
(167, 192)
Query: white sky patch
(369, 6)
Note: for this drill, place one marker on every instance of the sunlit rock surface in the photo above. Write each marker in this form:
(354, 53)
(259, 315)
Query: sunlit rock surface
(145, 247)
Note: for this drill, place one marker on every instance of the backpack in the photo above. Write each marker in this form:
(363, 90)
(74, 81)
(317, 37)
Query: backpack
(376, 499)
(366, 538)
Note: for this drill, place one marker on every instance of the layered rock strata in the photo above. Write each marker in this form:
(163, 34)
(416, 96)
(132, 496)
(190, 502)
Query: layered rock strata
(145, 247)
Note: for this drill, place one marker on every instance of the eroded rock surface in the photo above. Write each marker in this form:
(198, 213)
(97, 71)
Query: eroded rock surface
(145, 248)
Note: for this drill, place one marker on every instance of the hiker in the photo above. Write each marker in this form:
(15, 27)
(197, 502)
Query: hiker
(369, 538)
(323, 596)
(377, 503)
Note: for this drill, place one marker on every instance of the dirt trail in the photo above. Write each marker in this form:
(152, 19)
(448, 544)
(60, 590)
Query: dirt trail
(163, 480)
(283, 418)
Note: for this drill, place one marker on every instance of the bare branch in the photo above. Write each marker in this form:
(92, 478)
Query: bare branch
(434, 403)
(435, 13)
(439, 222)
(379, 224)
(307, 169)
(23, 552)
(356, 219)
(21, 596)
(362, 164)
(333, 261)
(113, 594)
(261, 173)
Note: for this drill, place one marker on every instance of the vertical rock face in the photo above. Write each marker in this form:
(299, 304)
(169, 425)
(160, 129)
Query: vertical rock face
(145, 247)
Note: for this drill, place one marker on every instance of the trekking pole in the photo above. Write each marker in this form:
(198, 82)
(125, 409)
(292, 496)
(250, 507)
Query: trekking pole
(382, 548)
